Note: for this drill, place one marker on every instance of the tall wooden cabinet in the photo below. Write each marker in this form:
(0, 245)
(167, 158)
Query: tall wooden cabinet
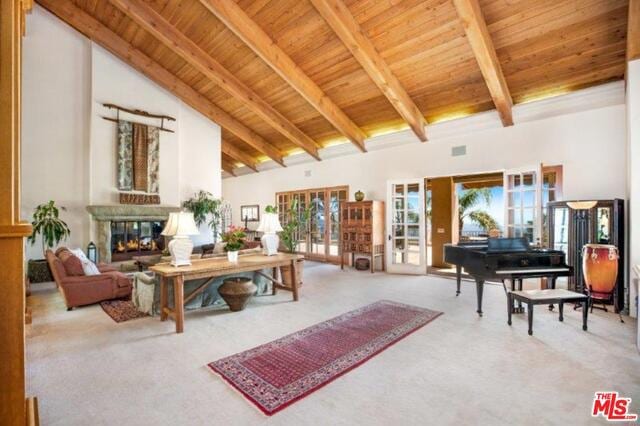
(362, 231)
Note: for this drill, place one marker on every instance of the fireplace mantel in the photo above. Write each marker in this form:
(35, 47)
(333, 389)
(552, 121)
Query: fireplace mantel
(104, 215)
(131, 212)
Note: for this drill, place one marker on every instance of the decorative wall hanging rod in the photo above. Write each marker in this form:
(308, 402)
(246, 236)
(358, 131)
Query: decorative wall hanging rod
(138, 112)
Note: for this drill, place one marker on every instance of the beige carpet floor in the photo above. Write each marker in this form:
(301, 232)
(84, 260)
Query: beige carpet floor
(87, 370)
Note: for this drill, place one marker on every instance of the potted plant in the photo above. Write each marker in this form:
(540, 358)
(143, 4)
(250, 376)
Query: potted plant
(234, 239)
(296, 223)
(203, 205)
(47, 224)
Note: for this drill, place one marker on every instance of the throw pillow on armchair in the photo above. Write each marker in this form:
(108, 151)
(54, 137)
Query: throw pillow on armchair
(73, 266)
(88, 266)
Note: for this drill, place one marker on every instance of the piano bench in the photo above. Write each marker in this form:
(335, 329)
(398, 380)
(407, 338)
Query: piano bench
(544, 297)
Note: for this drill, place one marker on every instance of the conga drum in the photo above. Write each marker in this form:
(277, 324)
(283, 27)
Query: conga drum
(600, 269)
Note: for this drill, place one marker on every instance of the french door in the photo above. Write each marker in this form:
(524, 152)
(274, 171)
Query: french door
(406, 243)
(523, 203)
(321, 239)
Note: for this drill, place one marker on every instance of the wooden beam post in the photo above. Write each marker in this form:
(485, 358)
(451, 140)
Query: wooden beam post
(633, 31)
(348, 30)
(13, 404)
(100, 34)
(187, 49)
(240, 156)
(259, 41)
(480, 40)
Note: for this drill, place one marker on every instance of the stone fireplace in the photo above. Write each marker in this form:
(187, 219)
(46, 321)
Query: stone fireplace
(134, 227)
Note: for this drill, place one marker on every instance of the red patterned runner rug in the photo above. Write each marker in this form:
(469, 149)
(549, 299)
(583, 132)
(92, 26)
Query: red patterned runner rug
(279, 373)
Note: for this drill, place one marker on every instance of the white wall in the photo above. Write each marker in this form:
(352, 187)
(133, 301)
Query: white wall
(633, 135)
(590, 145)
(199, 160)
(115, 82)
(56, 83)
(69, 151)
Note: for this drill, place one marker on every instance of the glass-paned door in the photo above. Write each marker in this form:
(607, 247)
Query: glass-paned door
(320, 240)
(406, 243)
(523, 203)
(336, 198)
(283, 207)
(317, 223)
(300, 199)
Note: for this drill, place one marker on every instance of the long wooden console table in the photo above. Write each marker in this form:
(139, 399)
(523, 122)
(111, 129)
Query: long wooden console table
(212, 268)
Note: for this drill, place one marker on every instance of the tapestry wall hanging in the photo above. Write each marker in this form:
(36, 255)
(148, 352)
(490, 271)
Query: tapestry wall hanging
(138, 157)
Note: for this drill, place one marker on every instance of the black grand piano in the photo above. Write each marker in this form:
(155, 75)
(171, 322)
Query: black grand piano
(502, 259)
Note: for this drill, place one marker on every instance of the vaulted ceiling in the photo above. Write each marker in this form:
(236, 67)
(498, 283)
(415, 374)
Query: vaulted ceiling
(285, 76)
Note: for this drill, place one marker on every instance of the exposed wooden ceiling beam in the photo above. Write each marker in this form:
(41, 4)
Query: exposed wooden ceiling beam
(227, 167)
(163, 30)
(259, 41)
(348, 30)
(480, 40)
(100, 34)
(633, 31)
(239, 155)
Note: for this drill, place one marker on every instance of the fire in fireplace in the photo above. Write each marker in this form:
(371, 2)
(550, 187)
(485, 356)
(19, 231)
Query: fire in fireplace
(135, 238)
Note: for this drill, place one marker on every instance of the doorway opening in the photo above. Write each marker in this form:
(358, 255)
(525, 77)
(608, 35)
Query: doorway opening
(461, 208)
(474, 207)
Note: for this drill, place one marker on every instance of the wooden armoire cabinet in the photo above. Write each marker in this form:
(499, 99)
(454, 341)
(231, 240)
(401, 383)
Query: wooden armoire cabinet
(362, 231)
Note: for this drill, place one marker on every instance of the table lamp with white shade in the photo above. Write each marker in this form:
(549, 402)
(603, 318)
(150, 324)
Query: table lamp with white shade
(179, 226)
(270, 226)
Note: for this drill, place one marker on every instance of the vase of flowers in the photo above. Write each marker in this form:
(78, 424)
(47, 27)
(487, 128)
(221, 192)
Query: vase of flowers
(234, 239)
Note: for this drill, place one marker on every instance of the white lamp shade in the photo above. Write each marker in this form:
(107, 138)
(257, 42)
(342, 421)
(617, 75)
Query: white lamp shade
(269, 223)
(180, 223)
(582, 205)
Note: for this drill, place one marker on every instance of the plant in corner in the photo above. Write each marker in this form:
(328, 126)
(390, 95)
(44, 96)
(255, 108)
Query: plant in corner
(47, 224)
(203, 205)
(234, 239)
(295, 227)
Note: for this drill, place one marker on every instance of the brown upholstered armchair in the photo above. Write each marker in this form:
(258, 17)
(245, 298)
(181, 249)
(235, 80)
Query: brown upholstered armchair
(79, 289)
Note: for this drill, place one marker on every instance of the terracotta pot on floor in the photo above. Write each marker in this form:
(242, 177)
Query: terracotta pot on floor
(286, 273)
(237, 291)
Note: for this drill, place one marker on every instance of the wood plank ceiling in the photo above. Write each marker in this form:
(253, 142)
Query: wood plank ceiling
(301, 83)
